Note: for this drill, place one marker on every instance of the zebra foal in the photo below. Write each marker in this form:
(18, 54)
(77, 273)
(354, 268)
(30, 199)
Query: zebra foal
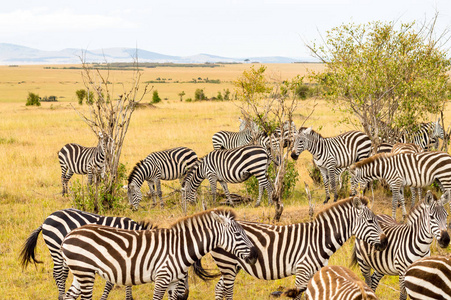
(298, 249)
(229, 166)
(74, 158)
(168, 164)
(332, 155)
(403, 169)
(429, 278)
(56, 226)
(407, 242)
(338, 283)
(163, 256)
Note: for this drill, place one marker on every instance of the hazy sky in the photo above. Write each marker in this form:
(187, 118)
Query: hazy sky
(232, 28)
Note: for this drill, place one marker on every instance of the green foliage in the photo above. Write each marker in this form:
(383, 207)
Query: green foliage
(181, 94)
(219, 97)
(155, 97)
(33, 99)
(289, 180)
(199, 95)
(226, 94)
(383, 73)
(97, 198)
(189, 100)
(83, 94)
(252, 85)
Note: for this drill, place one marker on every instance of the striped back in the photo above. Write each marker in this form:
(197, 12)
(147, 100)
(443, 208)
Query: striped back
(137, 257)
(406, 148)
(168, 164)
(426, 135)
(338, 283)
(429, 278)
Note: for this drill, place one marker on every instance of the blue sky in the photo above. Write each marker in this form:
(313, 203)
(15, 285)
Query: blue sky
(232, 28)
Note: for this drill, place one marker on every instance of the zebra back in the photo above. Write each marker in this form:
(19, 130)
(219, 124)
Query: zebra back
(338, 283)
(406, 148)
(429, 278)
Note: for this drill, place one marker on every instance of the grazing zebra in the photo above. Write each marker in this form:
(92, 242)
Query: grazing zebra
(332, 155)
(162, 165)
(429, 278)
(56, 226)
(426, 136)
(288, 131)
(338, 283)
(162, 255)
(406, 242)
(299, 249)
(78, 159)
(229, 166)
(403, 169)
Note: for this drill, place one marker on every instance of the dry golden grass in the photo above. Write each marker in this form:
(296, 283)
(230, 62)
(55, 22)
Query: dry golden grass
(30, 138)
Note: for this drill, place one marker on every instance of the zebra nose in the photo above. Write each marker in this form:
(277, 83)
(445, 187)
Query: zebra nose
(383, 243)
(252, 258)
(294, 155)
(443, 242)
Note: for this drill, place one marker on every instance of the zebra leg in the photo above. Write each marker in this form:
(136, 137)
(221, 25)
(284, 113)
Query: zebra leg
(158, 190)
(85, 288)
(333, 184)
(224, 287)
(269, 190)
(74, 290)
(65, 180)
(108, 287)
(303, 275)
(152, 192)
(375, 278)
(162, 283)
(413, 196)
(226, 191)
(213, 180)
(325, 176)
(128, 293)
(60, 273)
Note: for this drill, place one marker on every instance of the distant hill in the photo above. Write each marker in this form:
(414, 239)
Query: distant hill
(11, 54)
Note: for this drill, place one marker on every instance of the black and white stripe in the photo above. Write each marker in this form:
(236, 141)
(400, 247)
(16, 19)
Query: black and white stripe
(78, 159)
(162, 165)
(56, 226)
(426, 135)
(299, 249)
(429, 278)
(162, 256)
(406, 242)
(338, 283)
(332, 155)
(403, 169)
(229, 166)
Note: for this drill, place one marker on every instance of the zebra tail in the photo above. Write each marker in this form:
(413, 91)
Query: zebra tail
(353, 262)
(202, 273)
(28, 253)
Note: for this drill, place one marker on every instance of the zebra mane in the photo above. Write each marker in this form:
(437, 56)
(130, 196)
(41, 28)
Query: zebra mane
(147, 225)
(193, 169)
(201, 215)
(312, 132)
(135, 168)
(417, 207)
(342, 202)
(379, 156)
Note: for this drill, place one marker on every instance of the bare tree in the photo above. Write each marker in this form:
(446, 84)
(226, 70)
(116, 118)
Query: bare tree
(111, 113)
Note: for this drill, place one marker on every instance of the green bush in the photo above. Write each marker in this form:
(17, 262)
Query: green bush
(189, 100)
(95, 198)
(289, 181)
(33, 99)
(199, 95)
(155, 97)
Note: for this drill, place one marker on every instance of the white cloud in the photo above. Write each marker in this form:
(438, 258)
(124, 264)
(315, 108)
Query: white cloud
(37, 20)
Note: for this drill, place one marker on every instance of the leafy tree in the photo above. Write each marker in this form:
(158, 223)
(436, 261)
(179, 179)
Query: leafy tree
(199, 95)
(227, 94)
(384, 75)
(81, 95)
(181, 94)
(219, 97)
(33, 99)
(155, 97)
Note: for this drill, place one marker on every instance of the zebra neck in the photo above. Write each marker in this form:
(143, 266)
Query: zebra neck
(198, 239)
(419, 223)
(314, 145)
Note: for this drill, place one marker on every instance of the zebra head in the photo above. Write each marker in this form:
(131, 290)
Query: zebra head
(438, 215)
(300, 142)
(366, 227)
(232, 237)
(192, 181)
(438, 130)
(134, 195)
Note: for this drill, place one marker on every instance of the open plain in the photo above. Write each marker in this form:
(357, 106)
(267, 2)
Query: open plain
(30, 185)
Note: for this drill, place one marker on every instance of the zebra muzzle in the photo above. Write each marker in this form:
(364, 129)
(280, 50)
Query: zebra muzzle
(252, 258)
(443, 242)
(294, 155)
(383, 243)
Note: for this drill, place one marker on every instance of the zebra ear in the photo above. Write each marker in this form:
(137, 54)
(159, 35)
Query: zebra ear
(445, 198)
(308, 130)
(357, 203)
(220, 218)
(428, 198)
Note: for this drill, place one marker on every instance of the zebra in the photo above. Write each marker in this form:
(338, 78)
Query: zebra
(78, 159)
(338, 283)
(426, 136)
(403, 169)
(161, 255)
(162, 165)
(429, 278)
(229, 166)
(56, 226)
(406, 242)
(332, 155)
(299, 249)
(289, 131)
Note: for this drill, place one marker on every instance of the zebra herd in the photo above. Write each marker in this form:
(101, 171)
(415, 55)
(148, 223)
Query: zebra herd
(126, 252)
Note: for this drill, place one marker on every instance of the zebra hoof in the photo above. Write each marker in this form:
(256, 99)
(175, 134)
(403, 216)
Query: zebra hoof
(327, 200)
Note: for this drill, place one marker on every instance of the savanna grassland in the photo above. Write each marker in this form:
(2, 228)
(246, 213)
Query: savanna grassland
(30, 184)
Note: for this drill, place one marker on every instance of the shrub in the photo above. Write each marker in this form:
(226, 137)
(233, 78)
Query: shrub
(199, 95)
(33, 99)
(189, 100)
(155, 97)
